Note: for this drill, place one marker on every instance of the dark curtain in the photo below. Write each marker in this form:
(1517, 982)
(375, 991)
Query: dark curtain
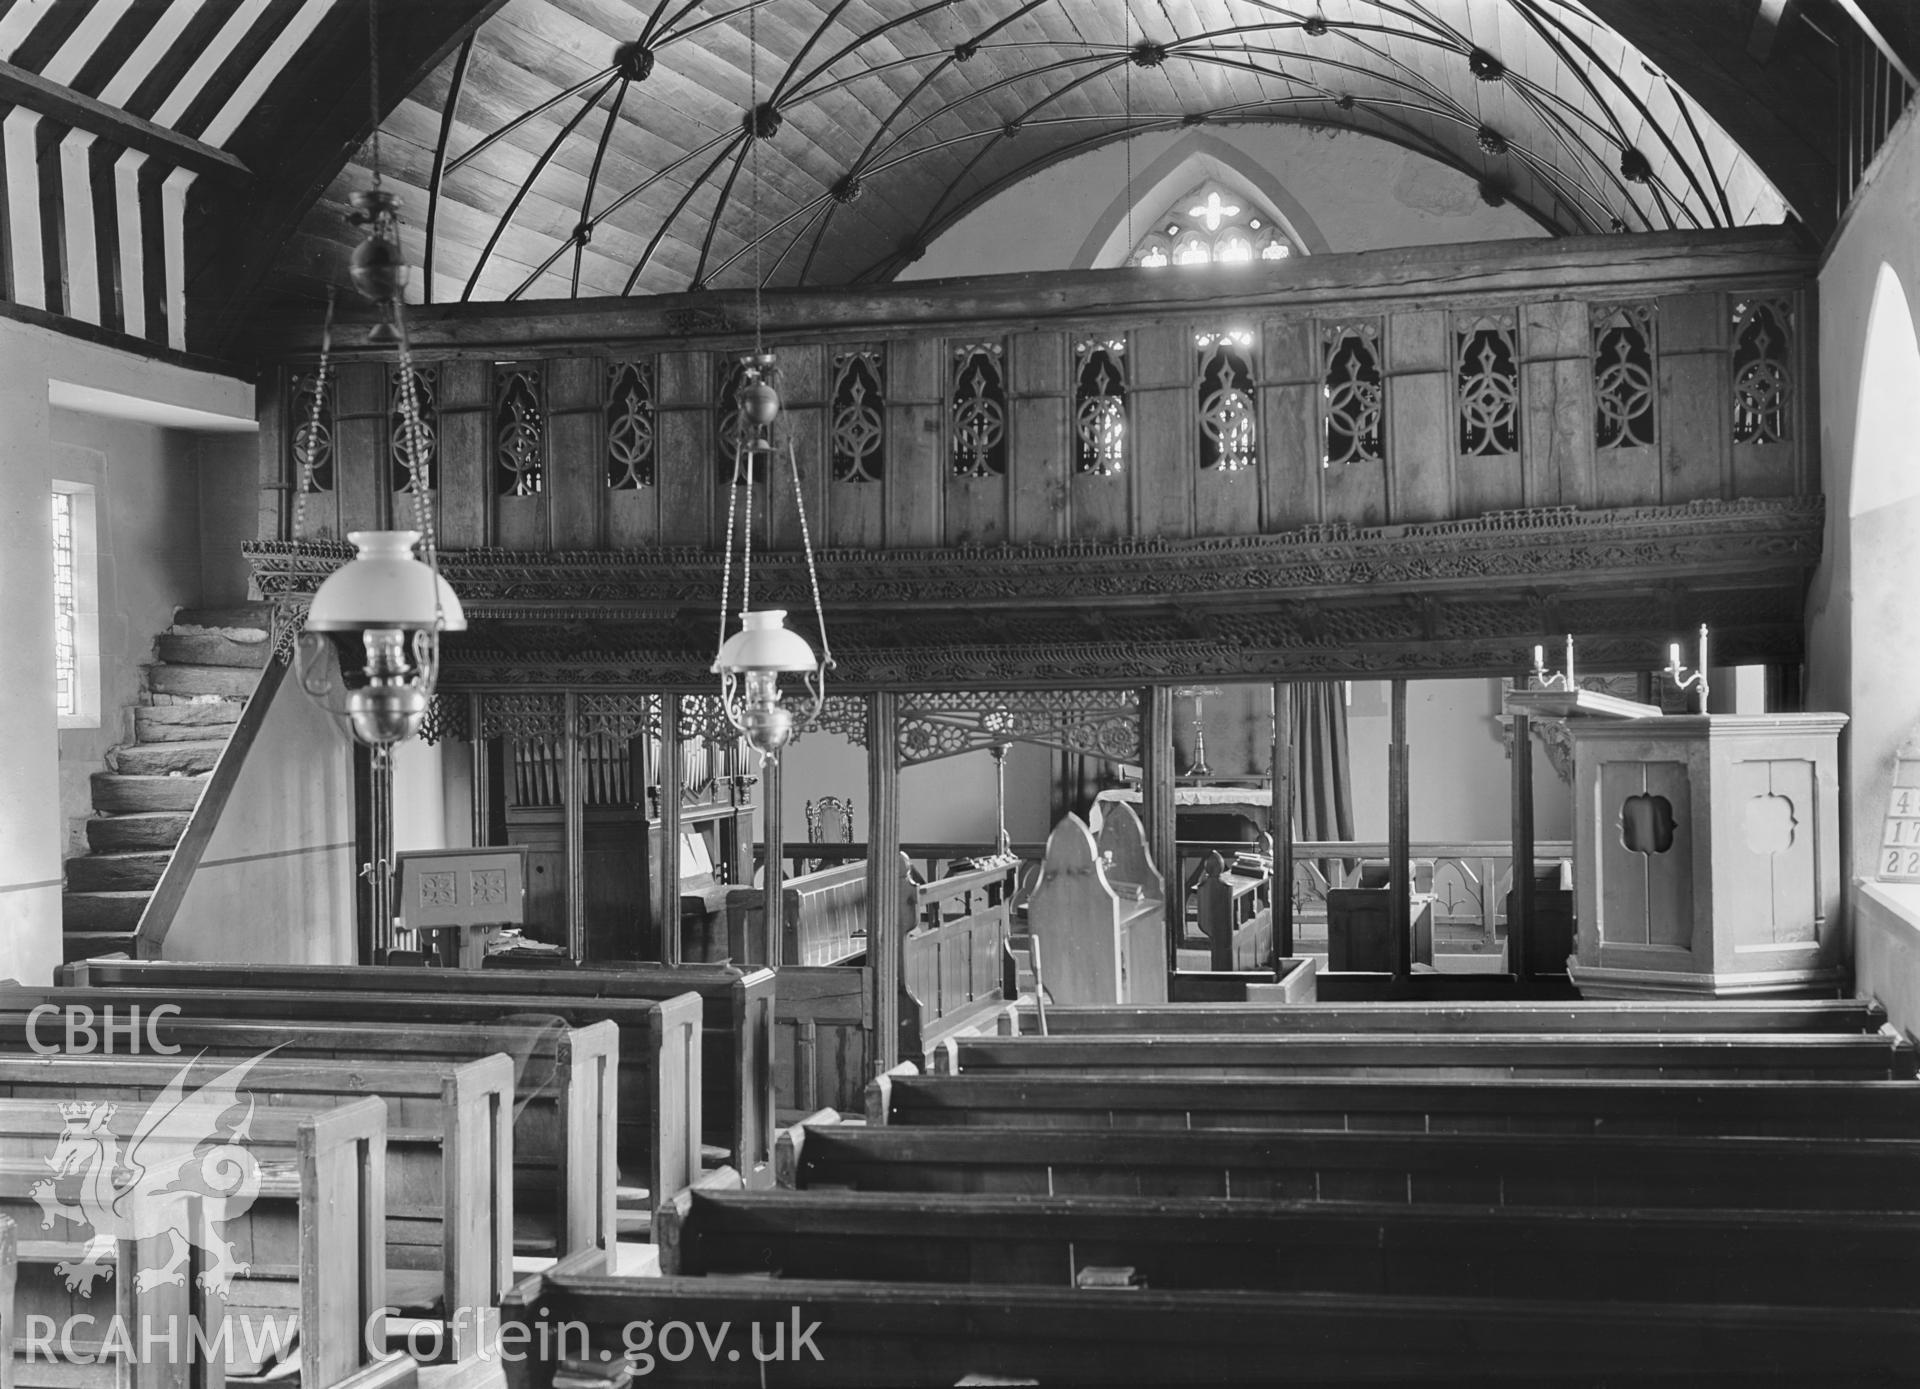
(1077, 780)
(1322, 772)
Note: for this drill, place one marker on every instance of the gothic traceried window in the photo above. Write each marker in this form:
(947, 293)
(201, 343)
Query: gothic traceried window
(630, 423)
(979, 416)
(1353, 394)
(519, 430)
(312, 433)
(859, 414)
(1212, 225)
(1100, 406)
(1623, 381)
(1487, 380)
(426, 443)
(1762, 382)
(1227, 432)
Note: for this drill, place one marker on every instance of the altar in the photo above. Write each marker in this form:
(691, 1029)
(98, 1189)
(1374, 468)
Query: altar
(1251, 803)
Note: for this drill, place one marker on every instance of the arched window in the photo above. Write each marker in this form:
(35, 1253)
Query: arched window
(1213, 225)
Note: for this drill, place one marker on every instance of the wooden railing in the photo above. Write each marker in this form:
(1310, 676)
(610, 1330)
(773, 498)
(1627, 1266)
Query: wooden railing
(1468, 881)
(156, 919)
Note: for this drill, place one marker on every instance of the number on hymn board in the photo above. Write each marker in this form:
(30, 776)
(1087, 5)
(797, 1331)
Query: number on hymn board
(1906, 801)
(1901, 863)
(1901, 834)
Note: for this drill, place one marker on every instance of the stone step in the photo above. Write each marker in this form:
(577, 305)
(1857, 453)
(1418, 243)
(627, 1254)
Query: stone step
(118, 834)
(117, 872)
(180, 723)
(189, 757)
(228, 681)
(88, 945)
(102, 911)
(242, 616)
(130, 795)
(211, 649)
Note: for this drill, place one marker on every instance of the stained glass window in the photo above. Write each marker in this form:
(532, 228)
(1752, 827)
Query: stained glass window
(1213, 225)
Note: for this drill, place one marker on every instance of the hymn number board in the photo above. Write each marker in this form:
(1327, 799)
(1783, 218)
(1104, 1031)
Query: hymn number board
(1900, 841)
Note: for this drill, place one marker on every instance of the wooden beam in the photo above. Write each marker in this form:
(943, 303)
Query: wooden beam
(1519, 919)
(1577, 267)
(667, 776)
(885, 929)
(22, 88)
(1400, 869)
(1158, 779)
(1280, 817)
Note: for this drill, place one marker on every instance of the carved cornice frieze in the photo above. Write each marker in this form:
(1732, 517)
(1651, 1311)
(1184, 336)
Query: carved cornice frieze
(1441, 598)
(1535, 545)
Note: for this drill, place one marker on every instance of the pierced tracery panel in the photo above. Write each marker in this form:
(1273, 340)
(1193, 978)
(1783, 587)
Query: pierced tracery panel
(1228, 437)
(523, 716)
(1353, 394)
(859, 414)
(1487, 386)
(313, 432)
(616, 715)
(1623, 375)
(519, 430)
(1103, 723)
(630, 425)
(979, 410)
(448, 718)
(426, 437)
(1100, 405)
(1762, 370)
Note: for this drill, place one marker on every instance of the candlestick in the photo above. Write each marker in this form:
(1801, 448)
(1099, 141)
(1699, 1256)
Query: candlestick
(1698, 679)
(1539, 658)
(1569, 660)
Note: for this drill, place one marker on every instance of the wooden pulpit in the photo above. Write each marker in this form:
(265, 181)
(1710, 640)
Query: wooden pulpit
(1707, 855)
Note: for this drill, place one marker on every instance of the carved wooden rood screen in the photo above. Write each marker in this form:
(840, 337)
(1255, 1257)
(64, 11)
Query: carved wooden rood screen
(1415, 463)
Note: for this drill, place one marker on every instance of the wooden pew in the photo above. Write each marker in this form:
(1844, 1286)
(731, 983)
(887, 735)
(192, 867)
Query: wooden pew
(736, 1037)
(566, 1170)
(1583, 1171)
(1788, 1015)
(1236, 917)
(1105, 939)
(951, 976)
(449, 1155)
(1780, 1258)
(1761, 1108)
(823, 920)
(942, 1333)
(320, 1207)
(1671, 1056)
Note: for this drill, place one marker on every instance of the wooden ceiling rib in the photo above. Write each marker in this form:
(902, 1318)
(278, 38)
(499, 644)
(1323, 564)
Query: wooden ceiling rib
(932, 106)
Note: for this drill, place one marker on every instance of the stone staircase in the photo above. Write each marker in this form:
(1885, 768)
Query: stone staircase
(209, 662)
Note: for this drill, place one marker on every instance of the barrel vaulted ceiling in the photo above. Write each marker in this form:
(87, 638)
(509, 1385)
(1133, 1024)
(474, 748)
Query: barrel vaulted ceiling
(173, 166)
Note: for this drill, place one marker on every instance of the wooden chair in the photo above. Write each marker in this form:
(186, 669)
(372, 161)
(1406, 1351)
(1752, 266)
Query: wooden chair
(829, 821)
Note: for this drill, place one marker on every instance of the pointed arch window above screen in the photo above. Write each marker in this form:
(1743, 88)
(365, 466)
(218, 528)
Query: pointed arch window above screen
(1213, 224)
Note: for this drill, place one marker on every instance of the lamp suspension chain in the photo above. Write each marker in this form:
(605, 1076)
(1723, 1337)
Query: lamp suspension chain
(1126, 81)
(305, 455)
(373, 82)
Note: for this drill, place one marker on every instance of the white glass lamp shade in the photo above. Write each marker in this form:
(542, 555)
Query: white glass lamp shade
(384, 586)
(763, 643)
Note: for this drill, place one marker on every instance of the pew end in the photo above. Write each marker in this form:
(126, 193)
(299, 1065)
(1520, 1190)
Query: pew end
(880, 1092)
(790, 1143)
(670, 1220)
